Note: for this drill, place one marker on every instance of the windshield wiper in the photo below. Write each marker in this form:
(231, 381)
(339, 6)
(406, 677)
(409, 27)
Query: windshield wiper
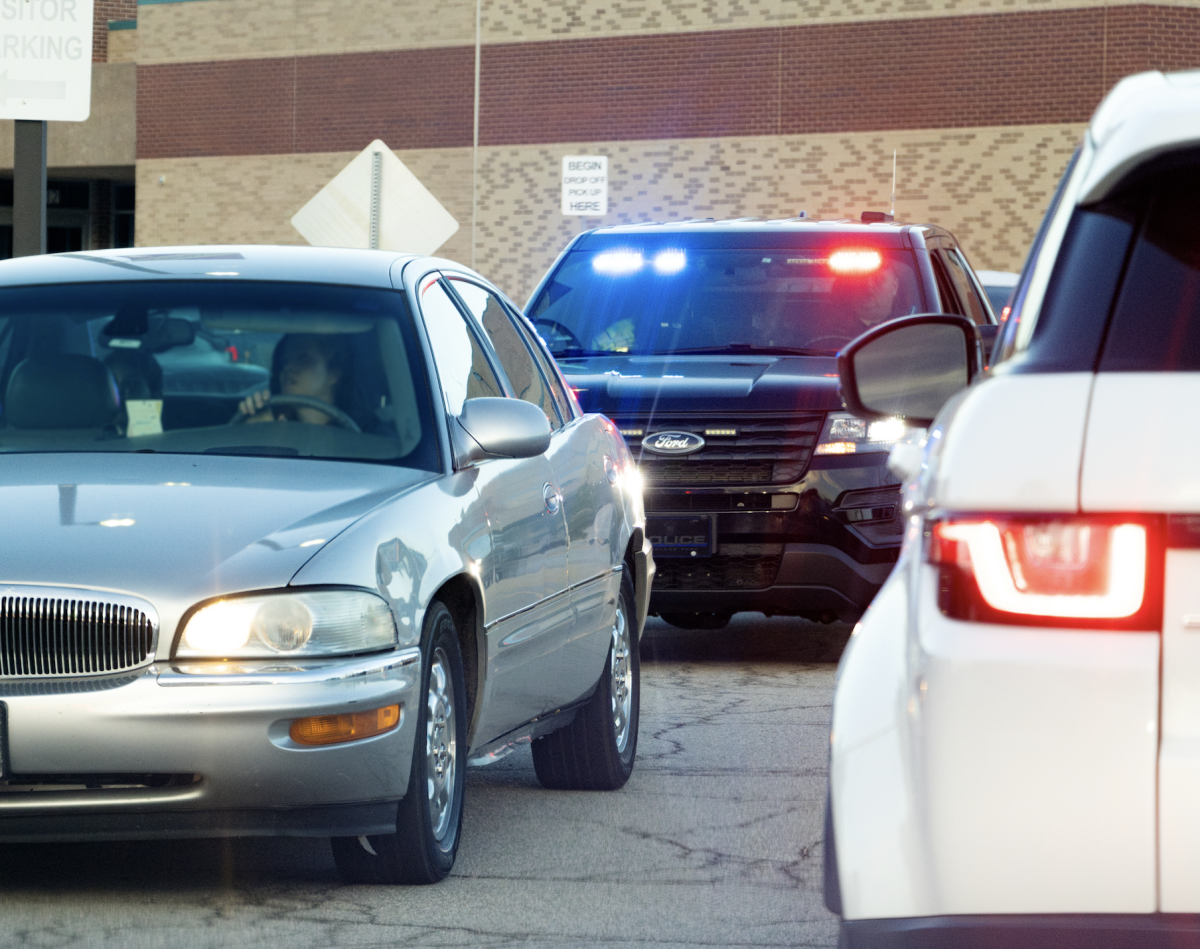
(739, 349)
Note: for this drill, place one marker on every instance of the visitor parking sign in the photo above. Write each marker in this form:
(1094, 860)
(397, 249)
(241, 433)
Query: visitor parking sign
(585, 185)
(46, 59)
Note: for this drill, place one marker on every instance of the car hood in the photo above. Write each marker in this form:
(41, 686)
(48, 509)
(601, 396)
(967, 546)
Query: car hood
(176, 529)
(623, 385)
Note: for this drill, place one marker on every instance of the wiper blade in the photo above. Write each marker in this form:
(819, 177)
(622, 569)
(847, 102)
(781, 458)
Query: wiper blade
(745, 349)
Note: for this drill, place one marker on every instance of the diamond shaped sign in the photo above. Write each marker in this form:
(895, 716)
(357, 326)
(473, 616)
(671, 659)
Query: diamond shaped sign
(375, 201)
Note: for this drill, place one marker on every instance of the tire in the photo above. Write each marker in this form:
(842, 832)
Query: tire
(429, 818)
(596, 751)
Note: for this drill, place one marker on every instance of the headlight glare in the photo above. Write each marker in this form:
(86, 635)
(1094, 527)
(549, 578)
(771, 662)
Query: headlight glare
(318, 623)
(846, 435)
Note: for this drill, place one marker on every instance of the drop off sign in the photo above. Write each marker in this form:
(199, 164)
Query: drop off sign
(585, 185)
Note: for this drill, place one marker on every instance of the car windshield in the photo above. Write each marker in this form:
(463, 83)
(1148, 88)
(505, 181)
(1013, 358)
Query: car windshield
(633, 300)
(221, 367)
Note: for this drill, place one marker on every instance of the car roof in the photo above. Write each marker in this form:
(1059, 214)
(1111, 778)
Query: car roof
(1144, 116)
(755, 232)
(324, 265)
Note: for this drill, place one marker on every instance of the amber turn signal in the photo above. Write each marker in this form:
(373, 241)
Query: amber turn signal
(332, 729)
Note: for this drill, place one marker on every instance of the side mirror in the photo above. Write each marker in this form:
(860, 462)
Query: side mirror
(499, 428)
(909, 367)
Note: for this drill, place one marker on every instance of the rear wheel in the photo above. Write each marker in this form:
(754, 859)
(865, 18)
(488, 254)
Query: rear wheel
(429, 818)
(596, 751)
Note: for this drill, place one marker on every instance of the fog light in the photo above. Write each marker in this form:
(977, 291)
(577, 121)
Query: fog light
(334, 729)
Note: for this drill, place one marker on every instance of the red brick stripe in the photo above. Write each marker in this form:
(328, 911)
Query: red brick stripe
(1000, 69)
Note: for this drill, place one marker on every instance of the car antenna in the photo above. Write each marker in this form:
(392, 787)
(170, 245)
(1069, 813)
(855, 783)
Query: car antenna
(893, 184)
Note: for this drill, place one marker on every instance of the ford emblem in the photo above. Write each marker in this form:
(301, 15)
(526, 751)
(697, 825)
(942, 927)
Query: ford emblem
(672, 443)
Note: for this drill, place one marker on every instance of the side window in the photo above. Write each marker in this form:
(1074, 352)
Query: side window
(462, 367)
(552, 376)
(945, 287)
(975, 307)
(527, 380)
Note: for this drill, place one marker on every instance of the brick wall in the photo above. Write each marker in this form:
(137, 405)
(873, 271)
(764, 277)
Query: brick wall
(103, 11)
(981, 70)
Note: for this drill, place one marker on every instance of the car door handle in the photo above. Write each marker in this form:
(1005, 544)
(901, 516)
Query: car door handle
(552, 498)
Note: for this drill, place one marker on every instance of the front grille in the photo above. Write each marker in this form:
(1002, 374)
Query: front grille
(716, 573)
(61, 636)
(773, 449)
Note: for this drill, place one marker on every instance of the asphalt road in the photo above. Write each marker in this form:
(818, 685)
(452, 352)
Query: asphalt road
(715, 841)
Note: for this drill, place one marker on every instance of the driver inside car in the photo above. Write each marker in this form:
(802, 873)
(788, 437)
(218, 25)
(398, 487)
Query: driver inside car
(308, 364)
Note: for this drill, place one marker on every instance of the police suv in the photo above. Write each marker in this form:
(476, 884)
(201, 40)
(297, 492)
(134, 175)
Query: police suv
(712, 345)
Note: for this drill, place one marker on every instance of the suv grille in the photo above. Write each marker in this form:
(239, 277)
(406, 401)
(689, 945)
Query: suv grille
(52, 636)
(766, 450)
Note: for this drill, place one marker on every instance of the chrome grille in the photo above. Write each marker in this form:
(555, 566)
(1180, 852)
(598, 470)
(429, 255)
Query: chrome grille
(51, 636)
(767, 449)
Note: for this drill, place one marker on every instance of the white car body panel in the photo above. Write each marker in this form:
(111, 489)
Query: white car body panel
(1135, 428)
(1179, 756)
(1045, 415)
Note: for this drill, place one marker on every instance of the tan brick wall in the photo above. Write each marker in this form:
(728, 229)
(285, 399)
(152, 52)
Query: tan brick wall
(122, 46)
(252, 199)
(249, 29)
(990, 186)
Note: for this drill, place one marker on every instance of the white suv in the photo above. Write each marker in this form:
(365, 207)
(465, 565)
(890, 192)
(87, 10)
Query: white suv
(1015, 753)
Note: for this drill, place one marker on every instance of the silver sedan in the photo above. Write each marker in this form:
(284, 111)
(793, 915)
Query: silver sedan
(291, 536)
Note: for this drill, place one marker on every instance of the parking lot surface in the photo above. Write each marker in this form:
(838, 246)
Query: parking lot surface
(716, 840)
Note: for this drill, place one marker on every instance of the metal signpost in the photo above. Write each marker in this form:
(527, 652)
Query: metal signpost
(45, 75)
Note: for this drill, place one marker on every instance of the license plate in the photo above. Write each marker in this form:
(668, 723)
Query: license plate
(681, 536)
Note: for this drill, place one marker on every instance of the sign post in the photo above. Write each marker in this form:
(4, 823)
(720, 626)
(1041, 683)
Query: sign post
(585, 185)
(45, 75)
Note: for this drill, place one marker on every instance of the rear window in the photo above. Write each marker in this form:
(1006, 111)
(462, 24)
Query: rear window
(220, 367)
(629, 299)
(1156, 320)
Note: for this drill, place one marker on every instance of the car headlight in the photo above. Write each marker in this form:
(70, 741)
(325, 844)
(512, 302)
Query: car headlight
(320, 623)
(845, 434)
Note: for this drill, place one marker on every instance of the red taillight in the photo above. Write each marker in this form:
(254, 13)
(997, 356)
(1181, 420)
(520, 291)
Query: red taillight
(848, 262)
(1063, 568)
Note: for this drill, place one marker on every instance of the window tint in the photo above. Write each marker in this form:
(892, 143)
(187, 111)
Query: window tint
(965, 287)
(945, 285)
(515, 358)
(462, 367)
(1156, 323)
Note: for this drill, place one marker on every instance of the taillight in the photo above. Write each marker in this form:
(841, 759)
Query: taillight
(1049, 570)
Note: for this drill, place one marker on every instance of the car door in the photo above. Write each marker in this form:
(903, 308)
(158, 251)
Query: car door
(578, 453)
(524, 575)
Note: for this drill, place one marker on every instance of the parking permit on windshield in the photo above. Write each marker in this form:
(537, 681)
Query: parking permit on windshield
(145, 417)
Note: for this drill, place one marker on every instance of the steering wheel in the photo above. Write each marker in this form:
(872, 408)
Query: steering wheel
(336, 415)
(561, 332)
(837, 337)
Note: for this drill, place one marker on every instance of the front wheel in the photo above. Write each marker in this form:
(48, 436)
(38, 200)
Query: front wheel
(596, 751)
(429, 818)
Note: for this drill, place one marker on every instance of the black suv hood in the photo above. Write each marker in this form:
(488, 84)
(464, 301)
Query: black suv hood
(624, 385)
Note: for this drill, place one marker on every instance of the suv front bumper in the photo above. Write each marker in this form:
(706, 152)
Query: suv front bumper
(812, 578)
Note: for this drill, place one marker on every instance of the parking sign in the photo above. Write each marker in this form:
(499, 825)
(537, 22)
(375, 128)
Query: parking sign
(46, 60)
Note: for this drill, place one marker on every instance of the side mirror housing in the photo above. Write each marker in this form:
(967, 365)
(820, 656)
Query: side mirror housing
(909, 367)
(499, 428)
